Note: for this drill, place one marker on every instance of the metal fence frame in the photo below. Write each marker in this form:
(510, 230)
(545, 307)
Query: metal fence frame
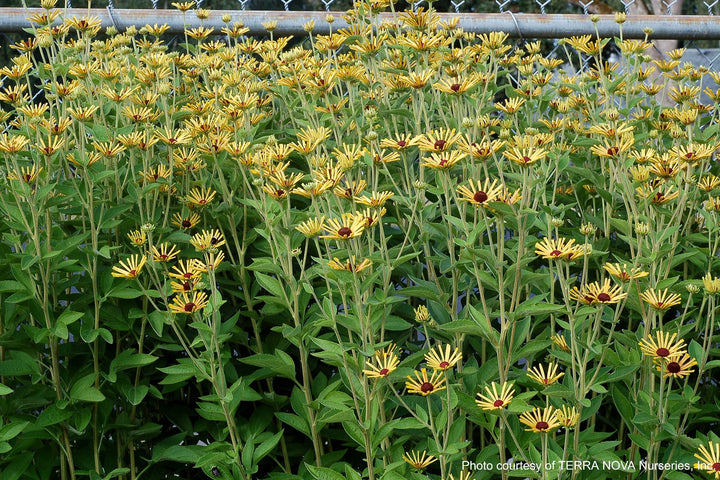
(521, 25)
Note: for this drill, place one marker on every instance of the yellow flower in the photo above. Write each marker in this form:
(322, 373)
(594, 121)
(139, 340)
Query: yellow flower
(540, 420)
(131, 268)
(709, 459)
(385, 362)
(311, 227)
(419, 461)
(525, 156)
(349, 265)
(424, 385)
(560, 342)
(377, 199)
(664, 347)
(349, 226)
(200, 197)
(660, 300)
(165, 253)
(568, 417)
(437, 140)
(711, 284)
(595, 293)
(480, 194)
(137, 237)
(184, 270)
(494, 399)
(444, 160)
(443, 359)
(182, 303)
(623, 272)
(186, 223)
(678, 365)
(545, 376)
(559, 249)
(208, 239)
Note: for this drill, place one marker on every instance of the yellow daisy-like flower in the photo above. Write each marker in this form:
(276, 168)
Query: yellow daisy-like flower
(525, 156)
(349, 226)
(165, 253)
(311, 227)
(678, 365)
(623, 272)
(402, 142)
(711, 284)
(660, 300)
(540, 420)
(185, 304)
(709, 459)
(184, 271)
(437, 140)
(443, 359)
(186, 223)
(131, 268)
(480, 194)
(495, 399)
(444, 160)
(595, 293)
(568, 417)
(211, 263)
(419, 461)
(383, 363)
(559, 249)
(350, 264)
(137, 237)
(207, 239)
(545, 376)
(424, 385)
(200, 197)
(377, 199)
(350, 189)
(560, 342)
(664, 347)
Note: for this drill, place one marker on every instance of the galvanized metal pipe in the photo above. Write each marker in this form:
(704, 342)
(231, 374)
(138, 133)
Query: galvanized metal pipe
(684, 27)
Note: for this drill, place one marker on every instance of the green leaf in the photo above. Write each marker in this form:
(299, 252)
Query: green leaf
(280, 364)
(12, 430)
(84, 391)
(322, 473)
(5, 390)
(266, 446)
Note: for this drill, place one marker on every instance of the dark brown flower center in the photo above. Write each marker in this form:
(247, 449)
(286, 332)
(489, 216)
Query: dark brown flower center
(440, 144)
(662, 352)
(443, 162)
(716, 466)
(186, 224)
(604, 297)
(189, 307)
(384, 372)
(673, 367)
(213, 241)
(480, 196)
(427, 387)
(455, 87)
(526, 159)
(555, 253)
(542, 425)
(498, 403)
(345, 232)
(401, 143)
(613, 151)
(444, 364)
(133, 272)
(186, 286)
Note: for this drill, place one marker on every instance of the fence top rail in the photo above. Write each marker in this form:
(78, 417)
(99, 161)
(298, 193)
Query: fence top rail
(522, 25)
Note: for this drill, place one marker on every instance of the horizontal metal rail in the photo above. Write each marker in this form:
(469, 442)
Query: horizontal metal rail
(682, 27)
